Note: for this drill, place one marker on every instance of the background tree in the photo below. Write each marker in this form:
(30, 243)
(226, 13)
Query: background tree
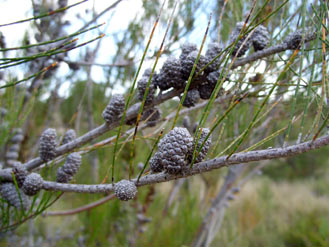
(106, 125)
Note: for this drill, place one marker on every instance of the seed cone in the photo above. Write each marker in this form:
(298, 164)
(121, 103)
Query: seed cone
(293, 41)
(125, 190)
(187, 64)
(152, 116)
(187, 48)
(156, 164)
(48, 143)
(32, 184)
(147, 72)
(69, 136)
(234, 36)
(62, 177)
(170, 75)
(173, 148)
(204, 150)
(114, 108)
(69, 169)
(206, 88)
(20, 173)
(192, 98)
(213, 51)
(142, 86)
(72, 163)
(18, 136)
(260, 38)
(9, 193)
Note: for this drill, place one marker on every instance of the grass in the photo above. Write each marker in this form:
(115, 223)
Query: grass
(268, 213)
(276, 214)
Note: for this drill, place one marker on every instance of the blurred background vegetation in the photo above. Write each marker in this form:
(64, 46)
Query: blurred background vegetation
(286, 205)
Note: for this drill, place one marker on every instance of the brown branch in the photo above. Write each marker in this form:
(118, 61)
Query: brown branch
(80, 209)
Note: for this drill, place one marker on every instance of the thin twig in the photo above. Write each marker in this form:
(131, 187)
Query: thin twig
(123, 64)
(80, 209)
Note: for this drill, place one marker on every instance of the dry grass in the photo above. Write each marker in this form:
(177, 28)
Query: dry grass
(267, 213)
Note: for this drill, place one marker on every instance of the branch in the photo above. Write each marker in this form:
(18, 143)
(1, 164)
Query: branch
(80, 209)
(78, 188)
(100, 14)
(133, 110)
(238, 158)
(123, 64)
(269, 51)
(201, 167)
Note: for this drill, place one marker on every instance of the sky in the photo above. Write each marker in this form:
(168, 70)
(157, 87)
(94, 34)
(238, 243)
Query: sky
(10, 13)
(114, 20)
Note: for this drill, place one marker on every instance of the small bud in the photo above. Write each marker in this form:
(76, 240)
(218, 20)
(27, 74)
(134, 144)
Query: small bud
(48, 143)
(125, 190)
(3, 111)
(73, 66)
(32, 184)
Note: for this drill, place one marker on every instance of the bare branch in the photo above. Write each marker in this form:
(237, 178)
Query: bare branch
(122, 64)
(81, 209)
